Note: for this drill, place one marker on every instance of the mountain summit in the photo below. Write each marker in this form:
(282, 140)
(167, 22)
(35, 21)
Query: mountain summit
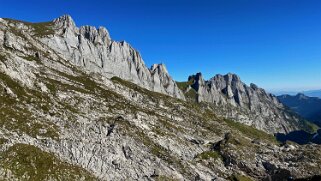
(76, 105)
(250, 105)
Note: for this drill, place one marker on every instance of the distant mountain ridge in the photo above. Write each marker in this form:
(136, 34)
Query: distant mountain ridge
(313, 93)
(310, 93)
(307, 107)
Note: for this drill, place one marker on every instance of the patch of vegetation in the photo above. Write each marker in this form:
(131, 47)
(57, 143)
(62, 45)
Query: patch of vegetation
(250, 131)
(311, 127)
(3, 141)
(184, 85)
(14, 21)
(31, 58)
(159, 131)
(52, 88)
(169, 126)
(13, 85)
(192, 95)
(42, 29)
(2, 58)
(31, 163)
(21, 121)
(14, 117)
(239, 178)
(209, 155)
(165, 178)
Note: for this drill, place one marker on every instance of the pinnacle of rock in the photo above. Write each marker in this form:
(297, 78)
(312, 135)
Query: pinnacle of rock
(65, 21)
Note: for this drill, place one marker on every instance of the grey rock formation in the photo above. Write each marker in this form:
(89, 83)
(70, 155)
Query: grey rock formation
(250, 105)
(94, 50)
(63, 118)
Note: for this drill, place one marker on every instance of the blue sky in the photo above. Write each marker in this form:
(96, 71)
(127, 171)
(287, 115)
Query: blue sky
(273, 43)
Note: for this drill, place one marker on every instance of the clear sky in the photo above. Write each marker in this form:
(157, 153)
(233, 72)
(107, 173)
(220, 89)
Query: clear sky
(273, 43)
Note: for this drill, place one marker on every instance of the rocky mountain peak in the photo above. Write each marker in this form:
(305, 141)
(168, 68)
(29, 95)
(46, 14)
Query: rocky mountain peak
(301, 96)
(160, 68)
(254, 87)
(196, 81)
(160, 76)
(94, 35)
(197, 77)
(94, 50)
(231, 77)
(65, 21)
(255, 106)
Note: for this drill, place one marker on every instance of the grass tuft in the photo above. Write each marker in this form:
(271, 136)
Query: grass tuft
(209, 155)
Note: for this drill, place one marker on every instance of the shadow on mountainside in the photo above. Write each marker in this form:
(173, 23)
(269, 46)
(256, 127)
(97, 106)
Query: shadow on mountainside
(313, 178)
(300, 137)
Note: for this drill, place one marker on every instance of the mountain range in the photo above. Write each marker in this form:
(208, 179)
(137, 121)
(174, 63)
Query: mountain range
(77, 105)
(307, 107)
(313, 93)
(310, 93)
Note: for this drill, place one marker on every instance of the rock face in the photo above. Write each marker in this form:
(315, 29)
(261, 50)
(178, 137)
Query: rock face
(250, 105)
(64, 116)
(94, 50)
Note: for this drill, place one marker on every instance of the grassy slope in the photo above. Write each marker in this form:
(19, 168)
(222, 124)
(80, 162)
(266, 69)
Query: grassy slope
(28, 162)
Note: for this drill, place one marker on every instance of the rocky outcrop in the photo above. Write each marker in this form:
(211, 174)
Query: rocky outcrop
(247, 104)
(94, 50)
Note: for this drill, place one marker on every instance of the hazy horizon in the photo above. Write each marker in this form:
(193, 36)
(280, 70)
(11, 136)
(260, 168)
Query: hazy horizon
(274, 44)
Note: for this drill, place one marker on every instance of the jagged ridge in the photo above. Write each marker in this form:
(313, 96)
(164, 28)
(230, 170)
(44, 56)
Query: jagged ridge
(250, 105)
(94, 49)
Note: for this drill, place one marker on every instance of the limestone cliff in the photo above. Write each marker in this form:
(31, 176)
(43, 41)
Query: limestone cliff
(250, 105)
(95, 51)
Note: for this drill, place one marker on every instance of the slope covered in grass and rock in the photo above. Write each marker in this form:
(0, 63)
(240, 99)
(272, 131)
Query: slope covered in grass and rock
(65, 114)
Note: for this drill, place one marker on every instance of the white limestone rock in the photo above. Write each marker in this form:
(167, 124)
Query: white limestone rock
(255, 106)
(94, 50)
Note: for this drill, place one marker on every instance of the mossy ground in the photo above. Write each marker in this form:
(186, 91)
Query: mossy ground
(311, 127)
(15, 117)
(184, 85)
(237, 177)
(28, 162)
(250, 131)
(39, 29)
(209, 155)
(2, 57)
(191, 94)
(42, 29)
(165, 178)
